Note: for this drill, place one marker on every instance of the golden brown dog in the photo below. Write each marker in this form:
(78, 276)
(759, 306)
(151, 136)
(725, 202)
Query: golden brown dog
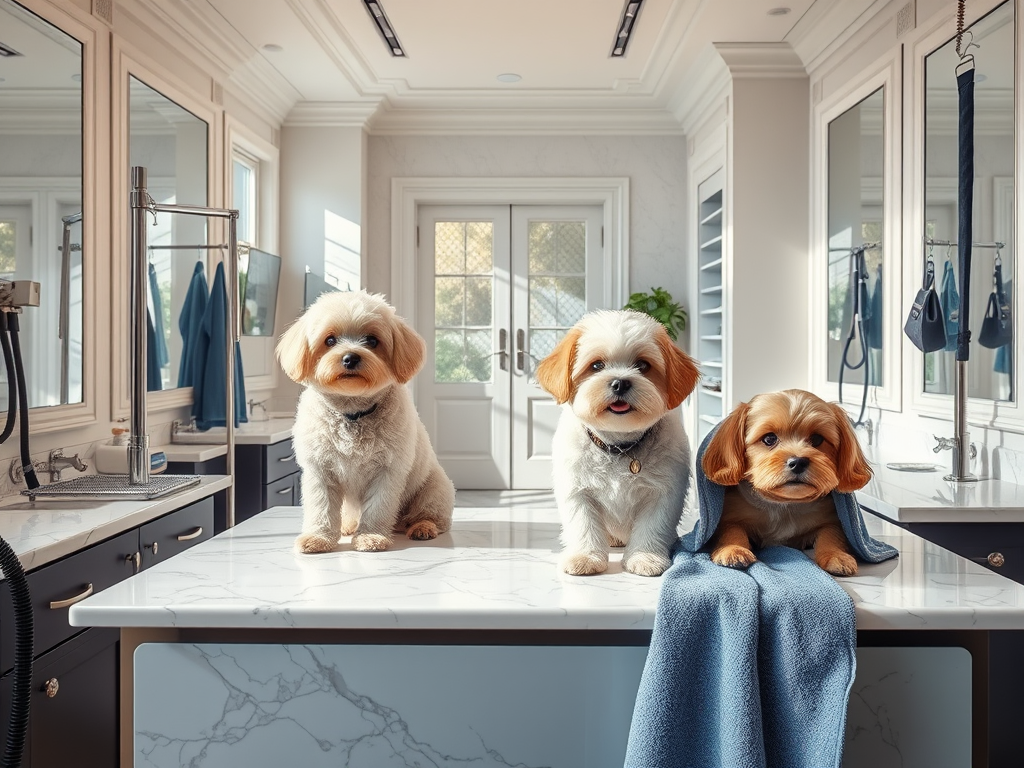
(782, 454)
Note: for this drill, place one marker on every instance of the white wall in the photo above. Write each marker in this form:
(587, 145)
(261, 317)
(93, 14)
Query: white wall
(655, 165)
(321, 187)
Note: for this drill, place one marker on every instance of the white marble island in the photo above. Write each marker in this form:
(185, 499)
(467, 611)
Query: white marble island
(474, 649)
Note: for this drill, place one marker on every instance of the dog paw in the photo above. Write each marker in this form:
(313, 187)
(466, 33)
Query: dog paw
(370, 542)
(422, 531)
(733, 556)
(837, 563)
(348, 527)
(615, 541)
(646, 564)
(313, 543)
(584, 565)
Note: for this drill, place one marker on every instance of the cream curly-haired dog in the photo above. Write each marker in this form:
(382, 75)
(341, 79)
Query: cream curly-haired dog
(367, 465)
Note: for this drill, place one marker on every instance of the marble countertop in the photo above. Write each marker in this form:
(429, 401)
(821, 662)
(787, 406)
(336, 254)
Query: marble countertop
(496, 569)
(925, 497)
(265, 432)
(42, 531)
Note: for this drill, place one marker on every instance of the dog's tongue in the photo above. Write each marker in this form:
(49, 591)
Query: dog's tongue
(619, 406)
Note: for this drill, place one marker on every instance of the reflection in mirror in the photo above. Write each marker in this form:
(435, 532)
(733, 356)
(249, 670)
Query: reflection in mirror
(855, 232)
(258, 275)
(171, 143)
(40, 185)
(990, 370)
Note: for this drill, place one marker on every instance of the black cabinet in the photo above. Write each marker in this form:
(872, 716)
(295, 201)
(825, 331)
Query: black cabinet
(266, 476)
(74, 712)
(997, 546)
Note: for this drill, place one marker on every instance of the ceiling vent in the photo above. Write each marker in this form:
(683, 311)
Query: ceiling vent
(624, 31)
(7, 51)
(387, 32)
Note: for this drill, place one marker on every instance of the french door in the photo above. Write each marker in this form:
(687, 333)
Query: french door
(498, 286)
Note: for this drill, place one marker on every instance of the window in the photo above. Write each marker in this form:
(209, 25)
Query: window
(244, 188)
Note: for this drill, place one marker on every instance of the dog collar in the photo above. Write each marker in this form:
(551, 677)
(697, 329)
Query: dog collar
(621, 449)
(359, 414)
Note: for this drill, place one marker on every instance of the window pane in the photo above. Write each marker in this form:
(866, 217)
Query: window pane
(450, 248)
(8, 237)
(571, 249)
(478, 301)
(462, 356)
(244, 200)
(449, 301)
(541, 246)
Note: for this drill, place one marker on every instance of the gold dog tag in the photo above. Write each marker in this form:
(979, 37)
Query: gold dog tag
(634, 467)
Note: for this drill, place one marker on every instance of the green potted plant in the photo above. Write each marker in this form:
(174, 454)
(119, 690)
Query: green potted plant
(659, 305)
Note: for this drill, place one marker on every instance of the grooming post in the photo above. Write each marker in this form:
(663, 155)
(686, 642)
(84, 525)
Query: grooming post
(138, 441)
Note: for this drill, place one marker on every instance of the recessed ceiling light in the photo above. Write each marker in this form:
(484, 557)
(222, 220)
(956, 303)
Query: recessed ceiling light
(627, 23)
(779, 11)
(385, 27)
(509, 77)
(272, 48)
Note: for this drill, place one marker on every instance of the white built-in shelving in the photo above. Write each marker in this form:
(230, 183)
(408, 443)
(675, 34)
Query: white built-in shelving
(710, 328)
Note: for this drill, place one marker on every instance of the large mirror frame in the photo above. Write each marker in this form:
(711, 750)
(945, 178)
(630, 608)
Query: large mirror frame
(128, 63)
(980, 412)
(888, 395)
(95, 41)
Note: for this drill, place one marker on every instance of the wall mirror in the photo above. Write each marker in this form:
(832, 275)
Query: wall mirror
(41, 220)
(990, 371)
(171, 143)
(856, 157)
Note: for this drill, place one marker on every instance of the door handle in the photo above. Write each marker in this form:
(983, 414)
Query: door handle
(502, 349)
(56, 605)
(521, 350)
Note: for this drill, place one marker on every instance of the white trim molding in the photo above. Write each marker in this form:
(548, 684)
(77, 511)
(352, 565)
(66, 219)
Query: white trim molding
(407, 194)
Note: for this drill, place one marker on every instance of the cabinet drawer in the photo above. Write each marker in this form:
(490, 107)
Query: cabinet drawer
(976, 541)
(279, 461)
(167, 536)
(283, 492)
(101, 566)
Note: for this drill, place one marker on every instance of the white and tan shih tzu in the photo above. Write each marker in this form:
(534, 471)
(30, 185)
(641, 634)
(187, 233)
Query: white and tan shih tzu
(368, 468)
(621, 461)
(781, 456)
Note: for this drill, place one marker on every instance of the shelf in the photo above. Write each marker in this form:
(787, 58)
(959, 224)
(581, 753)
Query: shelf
(711, 290)
(715, 311)
(710, 419)
(710, 244)
(712, 393)
(711, 338)
(711, 265)
(710, 363)
(711, 217)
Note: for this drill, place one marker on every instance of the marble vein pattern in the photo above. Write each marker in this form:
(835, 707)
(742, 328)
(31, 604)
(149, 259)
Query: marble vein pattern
(496, 569)
(382, 706)
(45, 530)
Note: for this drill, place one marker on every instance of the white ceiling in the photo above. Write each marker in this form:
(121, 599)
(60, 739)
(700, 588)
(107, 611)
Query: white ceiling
(332, 53)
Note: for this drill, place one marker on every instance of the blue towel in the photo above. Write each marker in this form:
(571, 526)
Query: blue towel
(748, 669)
(209, 397)
(950, 301)
(154, 379)
(190, 324)
(160, 348)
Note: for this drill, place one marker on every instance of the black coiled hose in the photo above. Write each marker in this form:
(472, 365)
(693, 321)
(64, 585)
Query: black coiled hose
(12, 391)
(26, 459)
(23, 653)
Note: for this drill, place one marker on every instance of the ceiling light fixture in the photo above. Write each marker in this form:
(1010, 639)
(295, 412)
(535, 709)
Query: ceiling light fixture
(272, 48)
(627, 23)
(6, 50)
(509, 77)
(778, 11)
(385, 27)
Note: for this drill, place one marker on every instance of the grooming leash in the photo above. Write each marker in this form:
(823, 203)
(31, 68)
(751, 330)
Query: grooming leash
(621, 449)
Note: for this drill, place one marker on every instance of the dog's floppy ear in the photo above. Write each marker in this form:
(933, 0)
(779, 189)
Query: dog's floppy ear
(681, 372)
(408, 352)
(852, 468)
(725, 459)
(294, 353)
(554, 372)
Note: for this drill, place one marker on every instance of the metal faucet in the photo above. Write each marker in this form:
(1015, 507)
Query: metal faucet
(254, 404)
(179, 426)
(868, 425)
(58, 462)
(949, 443)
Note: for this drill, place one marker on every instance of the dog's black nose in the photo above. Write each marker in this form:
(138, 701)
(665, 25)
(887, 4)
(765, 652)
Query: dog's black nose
(350, 361)
(620, 386)
(797, 464)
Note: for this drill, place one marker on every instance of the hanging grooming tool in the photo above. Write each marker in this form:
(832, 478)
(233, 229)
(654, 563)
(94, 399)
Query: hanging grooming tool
(859, 293)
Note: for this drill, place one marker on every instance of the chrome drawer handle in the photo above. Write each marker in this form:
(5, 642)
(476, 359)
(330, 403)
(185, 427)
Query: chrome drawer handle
(289, 457)
(283, 491)
(57, 605)
(194, 535)
(995, 559)
(135, 560)
(50, 687)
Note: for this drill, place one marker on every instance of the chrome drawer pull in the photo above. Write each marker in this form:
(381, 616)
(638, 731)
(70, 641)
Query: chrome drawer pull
(995, 559)
(289, 457)
(50, 687)
(195, 534)
(56, 605)
(283, 491)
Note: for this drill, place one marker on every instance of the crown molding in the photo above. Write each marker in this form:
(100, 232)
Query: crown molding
(707, 83)
(761, 60)
(828, 24)
(329, 114)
